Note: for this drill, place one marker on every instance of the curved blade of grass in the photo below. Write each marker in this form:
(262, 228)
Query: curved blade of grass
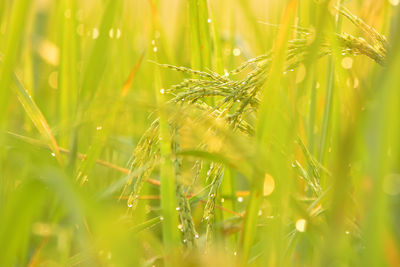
(33, 111)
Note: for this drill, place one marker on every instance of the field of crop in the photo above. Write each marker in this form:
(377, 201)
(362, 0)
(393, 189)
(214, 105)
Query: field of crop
(199, 133)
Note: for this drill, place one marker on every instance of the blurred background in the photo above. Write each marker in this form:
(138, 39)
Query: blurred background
(78, 80)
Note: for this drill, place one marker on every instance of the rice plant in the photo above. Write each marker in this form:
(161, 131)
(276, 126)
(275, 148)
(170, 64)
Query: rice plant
(195, 133)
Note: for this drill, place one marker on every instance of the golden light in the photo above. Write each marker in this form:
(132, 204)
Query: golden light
(269, 184)
(301, 225)
(347, 62)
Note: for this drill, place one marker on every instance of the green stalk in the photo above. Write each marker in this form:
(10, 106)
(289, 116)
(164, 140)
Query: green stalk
(329, 98)
(14, 34)
(195, 52)
(267, 120)
(200, 36)
(217, 53)
(94, 70)
(68, 76)
(168, 180)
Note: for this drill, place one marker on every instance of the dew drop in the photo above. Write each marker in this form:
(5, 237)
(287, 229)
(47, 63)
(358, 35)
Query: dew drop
(177, 208)
(118, 34)
(162, 91)
(240, 199)
(53, 154)
(209, 20)
(301, 73)
(236, 52)
(356, 82)
(269, 184)
(347, 62)
(155, 49)
(222, 200)
(49, 51)
(95, 33)
(301, 225)
(98, 128)
(196, 236)
(161, 218)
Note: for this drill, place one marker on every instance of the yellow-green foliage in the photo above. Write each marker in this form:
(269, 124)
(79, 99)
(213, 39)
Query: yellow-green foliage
(199, 133)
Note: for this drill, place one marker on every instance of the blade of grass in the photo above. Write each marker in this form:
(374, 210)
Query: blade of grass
(79, 155)
(103, 131)
(10, 46)
(93, 74)
(33, 111)
(68, 63)
(200, 39)
(98, 58)
(14, 33)
(328, 99)
(381, 136)
(167, 178)
(195, 52)
(216, 40)
(266, 123)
